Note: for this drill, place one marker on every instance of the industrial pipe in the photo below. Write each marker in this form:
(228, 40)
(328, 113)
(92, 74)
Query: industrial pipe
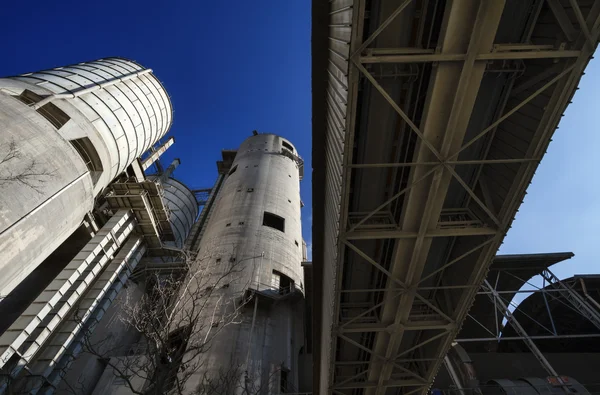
(167, 173)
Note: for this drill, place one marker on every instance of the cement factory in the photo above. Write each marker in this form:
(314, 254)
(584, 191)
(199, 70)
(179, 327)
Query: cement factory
(430, 118)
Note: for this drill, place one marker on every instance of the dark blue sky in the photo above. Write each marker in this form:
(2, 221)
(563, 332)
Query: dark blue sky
(229, 67)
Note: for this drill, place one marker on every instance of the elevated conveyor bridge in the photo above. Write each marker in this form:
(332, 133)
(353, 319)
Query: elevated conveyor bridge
(430, 119)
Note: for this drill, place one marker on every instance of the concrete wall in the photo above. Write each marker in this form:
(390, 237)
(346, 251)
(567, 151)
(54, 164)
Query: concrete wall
(114, 337)
(35, 219)
(261, 179)
(121, 121)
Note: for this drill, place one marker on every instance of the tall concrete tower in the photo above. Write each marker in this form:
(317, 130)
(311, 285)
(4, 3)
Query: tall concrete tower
(66, 133)
(255, 225)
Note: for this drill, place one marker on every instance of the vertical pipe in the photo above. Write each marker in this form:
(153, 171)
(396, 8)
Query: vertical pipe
(167, 173)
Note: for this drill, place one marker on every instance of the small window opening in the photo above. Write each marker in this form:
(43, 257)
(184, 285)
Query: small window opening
(255, 165)
(51, 112)
(233, 169)
(274, 221)
(228, 225)
(283, 380)
(287, 145)
(218, 260)
(282, 283)
(226, 285)
(241, 223)
(289, 201)
(239, 190)
(296, 242)
(250, 189)
(289, 175)
(88, 153)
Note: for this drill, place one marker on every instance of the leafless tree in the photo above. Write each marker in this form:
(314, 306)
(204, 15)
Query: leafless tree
(28, 173)
(177, 319)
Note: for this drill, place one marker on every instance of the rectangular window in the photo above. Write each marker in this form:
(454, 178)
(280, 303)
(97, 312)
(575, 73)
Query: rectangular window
(282, 283)
(287, 145)
(274, 221)
(52, 113)
(88, 153)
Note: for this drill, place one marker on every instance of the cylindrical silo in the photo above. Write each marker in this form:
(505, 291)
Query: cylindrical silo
(182, 207)
(65, 134)
(255, 229)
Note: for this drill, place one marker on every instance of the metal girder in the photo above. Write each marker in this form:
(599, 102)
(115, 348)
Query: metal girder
(513, 110)
(563, 20)
(439, 57)
(387, 383)
(448, 162)
(542, 337)
(441, 157)
(409, 326)
(503, 308)
(399, 234)
(462, 82)
(377, 265)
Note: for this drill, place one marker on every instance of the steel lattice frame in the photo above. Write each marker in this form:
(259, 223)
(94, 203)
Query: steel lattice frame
(390, 362)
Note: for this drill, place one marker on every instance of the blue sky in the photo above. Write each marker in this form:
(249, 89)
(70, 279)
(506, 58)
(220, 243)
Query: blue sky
(561, 211)
(231, 67)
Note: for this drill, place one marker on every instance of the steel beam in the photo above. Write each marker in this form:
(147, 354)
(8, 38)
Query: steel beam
(503, 308)
(543, 337)
(563, 19)
(513, 110)
(409, 326)
(399, 234)
(382, 27)
(425, 203)
(449, 162)
(440, 57)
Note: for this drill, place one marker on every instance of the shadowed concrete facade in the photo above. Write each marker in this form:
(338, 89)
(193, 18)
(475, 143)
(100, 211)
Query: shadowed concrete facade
(256, 223)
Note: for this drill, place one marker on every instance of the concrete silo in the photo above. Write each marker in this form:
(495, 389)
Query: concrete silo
(255, 228)
(66, 134)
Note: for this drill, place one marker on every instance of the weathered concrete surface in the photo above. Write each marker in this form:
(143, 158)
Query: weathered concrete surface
(262, 179)
(34, 221)
(120, 121)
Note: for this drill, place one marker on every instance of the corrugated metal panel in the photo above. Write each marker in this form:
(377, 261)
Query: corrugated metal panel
(135, 113)
(341, 14)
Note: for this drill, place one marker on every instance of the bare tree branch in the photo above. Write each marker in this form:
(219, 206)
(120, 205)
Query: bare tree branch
(177, 318)
(31, 174)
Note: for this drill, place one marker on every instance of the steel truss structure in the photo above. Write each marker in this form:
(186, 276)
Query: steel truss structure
(557, 291)
(407, 242)
(553, 292)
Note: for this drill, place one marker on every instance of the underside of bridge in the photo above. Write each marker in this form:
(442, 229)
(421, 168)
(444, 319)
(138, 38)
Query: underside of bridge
(429, 121)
